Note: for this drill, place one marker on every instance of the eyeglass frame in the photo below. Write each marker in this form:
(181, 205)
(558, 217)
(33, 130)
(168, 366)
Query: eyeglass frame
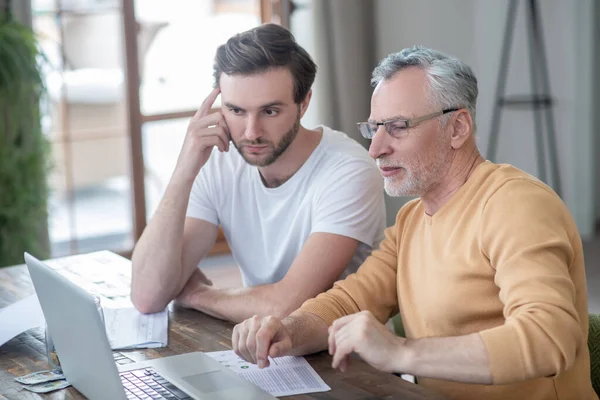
(409, 123)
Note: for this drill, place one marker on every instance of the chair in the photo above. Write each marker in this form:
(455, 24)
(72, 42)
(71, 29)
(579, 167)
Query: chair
(593, 345)
(88, 95)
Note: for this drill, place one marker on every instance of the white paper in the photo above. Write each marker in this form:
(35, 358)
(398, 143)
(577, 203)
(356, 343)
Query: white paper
(127, 328)
(102, 273)
(108, 275)
(19, 317)
(285, 376)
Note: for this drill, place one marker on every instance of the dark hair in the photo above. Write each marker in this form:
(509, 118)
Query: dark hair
(262, 48)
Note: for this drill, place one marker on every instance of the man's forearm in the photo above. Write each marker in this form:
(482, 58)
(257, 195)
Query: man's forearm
(239, 304)
(157, 258)
(459, 359)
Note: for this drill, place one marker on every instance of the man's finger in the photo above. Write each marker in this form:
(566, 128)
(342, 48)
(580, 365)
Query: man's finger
(235, 335)
(331, 342)
(343, 321)
(276, 349)
(219, 131)
(264, 338)
(208, 102)
(223, 125)
(213, 140)
(338, 326)
(345, 363)
(343, 349)
(243, 350)
(208, 120)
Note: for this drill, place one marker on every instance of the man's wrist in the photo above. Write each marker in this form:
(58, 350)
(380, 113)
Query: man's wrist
(288, 323)
(308, 332)
(183, 178)
(204, 296)
(403, 355)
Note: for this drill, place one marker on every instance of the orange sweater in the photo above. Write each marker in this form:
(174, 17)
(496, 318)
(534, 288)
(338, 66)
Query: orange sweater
(502, 257)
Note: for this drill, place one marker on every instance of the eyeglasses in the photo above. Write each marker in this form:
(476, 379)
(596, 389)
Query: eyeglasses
(397, 128)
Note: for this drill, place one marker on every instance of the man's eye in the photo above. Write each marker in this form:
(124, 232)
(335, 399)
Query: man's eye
(270, 112)
(396, 127)
(235, 110)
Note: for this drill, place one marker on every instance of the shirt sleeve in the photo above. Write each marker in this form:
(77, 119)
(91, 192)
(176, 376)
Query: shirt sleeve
(373, 287)
(351, 203)
(531, 241)
(203, 196)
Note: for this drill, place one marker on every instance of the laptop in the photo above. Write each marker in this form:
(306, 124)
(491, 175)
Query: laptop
(87, 361)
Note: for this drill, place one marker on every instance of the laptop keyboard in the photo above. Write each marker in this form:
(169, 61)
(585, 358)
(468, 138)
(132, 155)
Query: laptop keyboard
(148, 384)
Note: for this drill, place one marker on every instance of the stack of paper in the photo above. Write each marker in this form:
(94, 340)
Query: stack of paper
(127, 328)
(108, 275)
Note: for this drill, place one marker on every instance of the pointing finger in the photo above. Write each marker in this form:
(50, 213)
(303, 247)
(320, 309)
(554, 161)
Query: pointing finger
(208, 102)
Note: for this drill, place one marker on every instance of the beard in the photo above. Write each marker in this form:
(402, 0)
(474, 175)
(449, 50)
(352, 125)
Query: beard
(420, 174)
(275, 150)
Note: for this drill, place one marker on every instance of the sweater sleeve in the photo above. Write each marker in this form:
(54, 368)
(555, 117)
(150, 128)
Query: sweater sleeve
(527, 234)
(372, 287)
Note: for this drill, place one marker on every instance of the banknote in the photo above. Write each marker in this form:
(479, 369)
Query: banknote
(48, 386)
(39, 377)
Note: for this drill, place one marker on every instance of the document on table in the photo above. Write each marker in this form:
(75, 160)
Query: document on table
(101, 273)
(108, 275)
(127, 328)
(19, 317)
(286, 376)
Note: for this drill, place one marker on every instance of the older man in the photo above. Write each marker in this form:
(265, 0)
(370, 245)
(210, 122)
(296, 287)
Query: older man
(485, 267)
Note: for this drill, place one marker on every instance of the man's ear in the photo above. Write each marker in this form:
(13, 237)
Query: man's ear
(304, 103)
(461, 126)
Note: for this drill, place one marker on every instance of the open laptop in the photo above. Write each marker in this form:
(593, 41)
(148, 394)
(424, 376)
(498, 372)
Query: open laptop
(87, 361)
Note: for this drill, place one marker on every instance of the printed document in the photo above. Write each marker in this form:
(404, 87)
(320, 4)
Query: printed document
(108, 275)
(285, 376)
(127, 328)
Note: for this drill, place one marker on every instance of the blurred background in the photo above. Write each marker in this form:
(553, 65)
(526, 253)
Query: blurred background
(123, 78)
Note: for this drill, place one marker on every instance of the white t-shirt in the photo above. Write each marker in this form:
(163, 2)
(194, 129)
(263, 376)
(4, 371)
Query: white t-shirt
(337, 190)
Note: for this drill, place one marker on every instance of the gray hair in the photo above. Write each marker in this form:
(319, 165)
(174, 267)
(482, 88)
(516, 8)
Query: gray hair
(452, 83)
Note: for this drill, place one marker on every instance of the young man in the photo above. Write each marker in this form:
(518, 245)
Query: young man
(485, 267)
(298, 207)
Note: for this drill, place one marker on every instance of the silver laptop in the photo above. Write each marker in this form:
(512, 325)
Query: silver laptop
(87, 361)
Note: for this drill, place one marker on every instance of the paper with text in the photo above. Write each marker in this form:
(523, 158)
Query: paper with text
(102, 273)
(286, 376)
(108, 275)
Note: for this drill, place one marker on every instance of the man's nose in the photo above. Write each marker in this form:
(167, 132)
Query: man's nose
(380, 144)
(252, 128)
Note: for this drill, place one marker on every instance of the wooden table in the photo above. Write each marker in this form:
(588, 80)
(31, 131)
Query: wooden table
(189, 331)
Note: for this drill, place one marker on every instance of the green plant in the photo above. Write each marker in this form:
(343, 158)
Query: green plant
(23, 147)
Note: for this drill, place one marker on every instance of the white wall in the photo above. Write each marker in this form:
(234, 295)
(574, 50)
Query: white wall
(473, 31)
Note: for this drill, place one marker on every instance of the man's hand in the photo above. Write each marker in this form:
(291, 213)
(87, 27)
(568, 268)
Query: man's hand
(258, 338)
(204, 132)
(198, 282)
(361, 333)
